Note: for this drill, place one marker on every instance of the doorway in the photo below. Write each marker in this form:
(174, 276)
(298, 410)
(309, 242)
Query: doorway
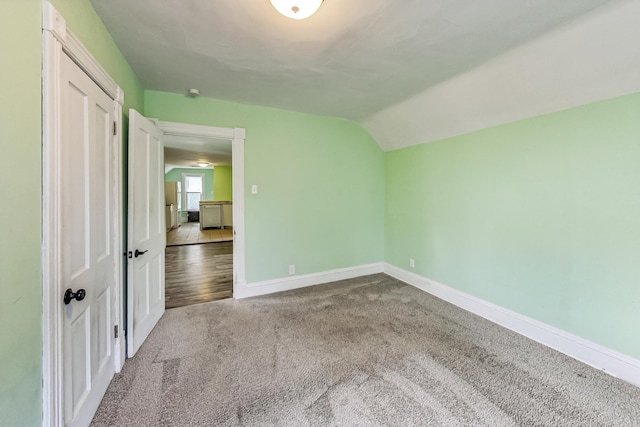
(201, 180)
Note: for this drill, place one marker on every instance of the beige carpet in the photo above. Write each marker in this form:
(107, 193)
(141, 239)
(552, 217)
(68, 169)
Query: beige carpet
(370, 351)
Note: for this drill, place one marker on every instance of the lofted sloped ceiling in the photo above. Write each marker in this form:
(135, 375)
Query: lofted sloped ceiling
(355, 59)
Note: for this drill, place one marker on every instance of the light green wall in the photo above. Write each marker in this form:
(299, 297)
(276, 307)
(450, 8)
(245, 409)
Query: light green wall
(222, 183)
(20, 261)
(321, 184)
(541, 216)
(175, 174)
(20, 139)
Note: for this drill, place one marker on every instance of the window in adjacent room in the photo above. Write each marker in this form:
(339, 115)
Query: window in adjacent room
(194, 190)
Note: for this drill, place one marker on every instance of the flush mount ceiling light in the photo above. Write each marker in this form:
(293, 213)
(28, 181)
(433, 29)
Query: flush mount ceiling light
(297, 9)
(203, 164)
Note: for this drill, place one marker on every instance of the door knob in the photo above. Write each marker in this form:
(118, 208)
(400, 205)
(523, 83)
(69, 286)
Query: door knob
(70, 295)
(138, 253)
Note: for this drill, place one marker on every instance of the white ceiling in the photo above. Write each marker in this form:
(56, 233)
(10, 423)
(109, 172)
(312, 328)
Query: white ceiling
(187, 152)
(353, 59)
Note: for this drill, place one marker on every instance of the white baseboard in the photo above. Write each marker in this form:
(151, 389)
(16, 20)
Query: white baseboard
(588, 352)
(294, 282)
(595, 355)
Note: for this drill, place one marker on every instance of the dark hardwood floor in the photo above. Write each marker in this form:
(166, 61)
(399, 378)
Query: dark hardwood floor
(198, 273)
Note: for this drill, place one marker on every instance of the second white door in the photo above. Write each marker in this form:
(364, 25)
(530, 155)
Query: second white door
(147, 234)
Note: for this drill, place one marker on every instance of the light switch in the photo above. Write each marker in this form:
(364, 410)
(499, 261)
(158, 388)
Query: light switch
(254, 189)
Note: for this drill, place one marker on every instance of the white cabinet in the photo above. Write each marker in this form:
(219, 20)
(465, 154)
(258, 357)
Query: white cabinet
(216, 214)
(210, 216)
(174, 218)
(172, 197)
(171, 216)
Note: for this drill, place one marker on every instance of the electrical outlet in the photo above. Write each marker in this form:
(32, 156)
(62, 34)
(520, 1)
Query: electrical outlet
(292, 269)
(412, 263)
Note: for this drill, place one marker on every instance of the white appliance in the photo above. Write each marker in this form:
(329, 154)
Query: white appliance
(210, 216)
(172, 197)
(171, 193)
(170, 216)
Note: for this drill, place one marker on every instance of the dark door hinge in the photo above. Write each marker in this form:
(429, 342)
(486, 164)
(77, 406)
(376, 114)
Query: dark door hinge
(115, 128)
(115, 331)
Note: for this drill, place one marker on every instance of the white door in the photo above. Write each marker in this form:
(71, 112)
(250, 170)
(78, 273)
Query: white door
(88, 254)
(147, 235)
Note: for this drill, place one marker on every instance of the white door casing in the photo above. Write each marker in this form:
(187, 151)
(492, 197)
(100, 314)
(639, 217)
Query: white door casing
(146, 233)
(237, 170)
(237, 137)
(82, 244)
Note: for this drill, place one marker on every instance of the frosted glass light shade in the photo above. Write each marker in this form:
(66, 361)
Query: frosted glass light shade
(297, 9)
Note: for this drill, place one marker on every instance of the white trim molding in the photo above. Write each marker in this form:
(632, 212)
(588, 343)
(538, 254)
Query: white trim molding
(52, 312)
(237, 179)
(54, 24)
(185, 129)
(295, 282)
(585, 351)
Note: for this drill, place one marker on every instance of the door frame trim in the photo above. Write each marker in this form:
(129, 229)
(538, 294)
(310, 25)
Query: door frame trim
(58, 40)
(237, 137)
